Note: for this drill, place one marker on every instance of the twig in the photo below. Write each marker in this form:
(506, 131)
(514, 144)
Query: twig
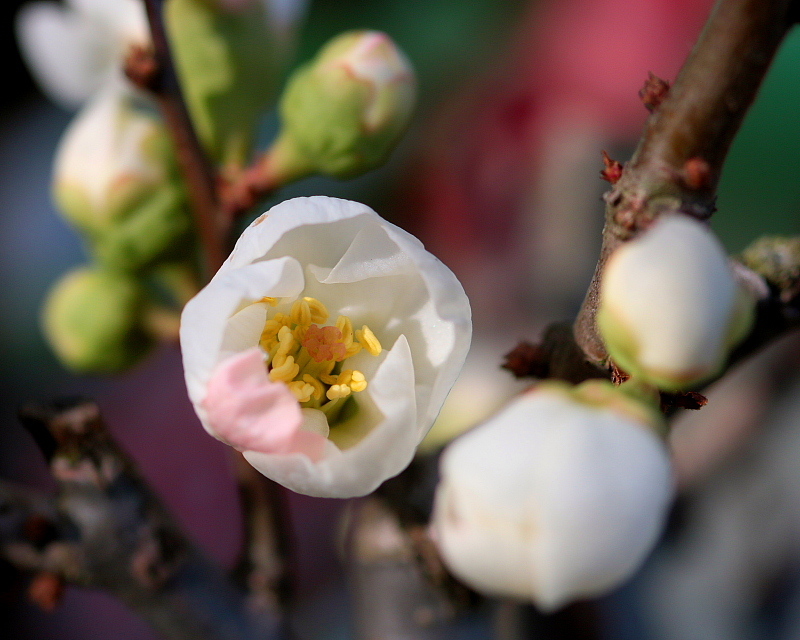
(110, 531)
(199, 174)
(678, 162)
(263, 568)
(394, 596)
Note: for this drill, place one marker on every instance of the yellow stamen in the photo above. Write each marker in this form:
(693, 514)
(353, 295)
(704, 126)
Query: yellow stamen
(369, 341)
(338, 391)
(286, 372)
(301, 390)
(272, 302)
(357, 381)
(352, 350)
(345, 325)
(329, 379)
(319, 312)
(301, 313)
(319, 390)
(300, 333)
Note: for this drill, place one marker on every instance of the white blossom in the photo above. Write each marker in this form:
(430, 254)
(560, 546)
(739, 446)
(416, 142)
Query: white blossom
(75, 49)
(560, 496)
(670, 307)
(387, 324)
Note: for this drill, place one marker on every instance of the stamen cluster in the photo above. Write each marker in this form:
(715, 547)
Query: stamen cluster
(308, 355)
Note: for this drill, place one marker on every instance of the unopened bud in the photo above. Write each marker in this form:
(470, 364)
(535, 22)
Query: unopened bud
(115, 179)
(345, 110)
(91, 319)
(559, 496)
(670, 307)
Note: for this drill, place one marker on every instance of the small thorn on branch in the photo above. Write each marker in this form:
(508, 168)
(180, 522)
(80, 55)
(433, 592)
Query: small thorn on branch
(654, 91)
(526, 360)
(612, 171)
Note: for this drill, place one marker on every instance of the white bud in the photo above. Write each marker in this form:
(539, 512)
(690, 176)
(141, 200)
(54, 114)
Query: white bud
(115, 179)
(670, 307)
(559, 496)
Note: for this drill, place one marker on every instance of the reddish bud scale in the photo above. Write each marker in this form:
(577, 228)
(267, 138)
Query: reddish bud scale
(654, 91)
(612, 171)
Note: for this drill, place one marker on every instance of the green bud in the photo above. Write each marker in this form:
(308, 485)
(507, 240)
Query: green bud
(116, 180)
(227, 56)
(344, 111)
(91, 319)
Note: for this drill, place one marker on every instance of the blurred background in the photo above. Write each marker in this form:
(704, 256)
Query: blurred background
(498, 175)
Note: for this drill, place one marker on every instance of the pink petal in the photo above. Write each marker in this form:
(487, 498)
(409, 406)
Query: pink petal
(251, 413)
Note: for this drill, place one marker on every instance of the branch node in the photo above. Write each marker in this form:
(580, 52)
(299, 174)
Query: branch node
(142, 68)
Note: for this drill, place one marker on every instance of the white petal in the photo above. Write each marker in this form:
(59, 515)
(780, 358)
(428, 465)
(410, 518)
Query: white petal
(205, 319)
(388, 406)
(67, 53)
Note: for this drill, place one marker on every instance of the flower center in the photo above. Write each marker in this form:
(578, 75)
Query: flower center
(309, 356)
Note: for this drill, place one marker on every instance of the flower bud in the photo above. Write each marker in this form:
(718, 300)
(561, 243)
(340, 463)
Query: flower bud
(76, 48)
(115, 179)
(670, 307)
(91, 321)
(559, 496)
(343, 112)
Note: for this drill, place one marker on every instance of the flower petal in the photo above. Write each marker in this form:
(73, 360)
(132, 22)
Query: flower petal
(248, 411)
(205, 318)
(63, 50)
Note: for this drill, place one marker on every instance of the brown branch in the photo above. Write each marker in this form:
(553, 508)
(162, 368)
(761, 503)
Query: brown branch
(263, 568)
(395, 575)
(677, 164)
(160, 78)
(108, 530)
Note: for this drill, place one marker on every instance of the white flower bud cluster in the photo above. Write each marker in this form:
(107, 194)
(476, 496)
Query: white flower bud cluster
(563, 493)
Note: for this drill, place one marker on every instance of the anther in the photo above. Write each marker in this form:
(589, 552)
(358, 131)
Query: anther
(286, 372)
(319, 312)
(368, 340)
(301, 312)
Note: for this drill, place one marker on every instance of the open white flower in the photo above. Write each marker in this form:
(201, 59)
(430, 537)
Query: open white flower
(325, 346)
(559, 496)
(76, 49)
